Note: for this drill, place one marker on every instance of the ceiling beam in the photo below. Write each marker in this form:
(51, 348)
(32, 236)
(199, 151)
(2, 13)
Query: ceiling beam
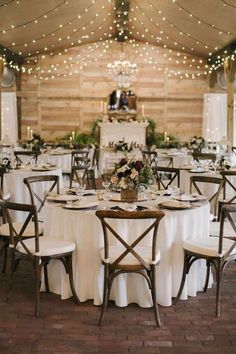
(122, 19)
(11, 56)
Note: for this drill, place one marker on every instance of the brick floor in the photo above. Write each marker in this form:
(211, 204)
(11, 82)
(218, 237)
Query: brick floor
(66, 328)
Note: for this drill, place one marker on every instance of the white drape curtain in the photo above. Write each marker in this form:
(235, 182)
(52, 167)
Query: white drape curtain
(215, 117)
(9, 123)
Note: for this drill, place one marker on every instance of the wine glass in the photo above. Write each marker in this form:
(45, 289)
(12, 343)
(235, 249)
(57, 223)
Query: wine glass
(106, 185)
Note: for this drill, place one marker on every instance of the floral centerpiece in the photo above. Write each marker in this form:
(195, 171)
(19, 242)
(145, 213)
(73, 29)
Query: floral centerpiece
(123, 146)
(197, 143)
(36, 142)
(130, 177)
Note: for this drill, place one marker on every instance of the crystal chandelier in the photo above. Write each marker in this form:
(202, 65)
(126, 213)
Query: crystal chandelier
(123, 72)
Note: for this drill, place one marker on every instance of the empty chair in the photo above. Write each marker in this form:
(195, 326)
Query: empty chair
(39, 195)
(218, 252)
(166, 176)
(212, 185)
(26, 157)
(126, 257)
(198, 156)
(164, 161)
(38, 250)
(149, 157)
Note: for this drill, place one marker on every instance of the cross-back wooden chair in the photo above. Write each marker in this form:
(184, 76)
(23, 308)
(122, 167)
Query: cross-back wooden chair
(129, 257)
(197, 183)
(229, 188)
(149, 157)
(50, 183)
(25, 157)
(165, 176)
(38, 250)
(198, 156)
(218, 252)
(164, 161)
(79, 157)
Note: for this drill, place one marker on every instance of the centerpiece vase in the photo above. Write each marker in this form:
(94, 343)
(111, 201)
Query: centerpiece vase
(129, 195)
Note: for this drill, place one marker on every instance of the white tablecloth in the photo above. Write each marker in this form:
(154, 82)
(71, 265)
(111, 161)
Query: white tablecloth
(61, 160)
(84, 228)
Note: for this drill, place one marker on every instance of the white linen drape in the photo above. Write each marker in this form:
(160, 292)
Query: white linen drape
(9, 124)
(215, 117)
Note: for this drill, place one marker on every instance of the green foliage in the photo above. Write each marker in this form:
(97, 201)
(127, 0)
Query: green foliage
(157, 139)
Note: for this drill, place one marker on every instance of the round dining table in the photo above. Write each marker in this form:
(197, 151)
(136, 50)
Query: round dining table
(83, 227)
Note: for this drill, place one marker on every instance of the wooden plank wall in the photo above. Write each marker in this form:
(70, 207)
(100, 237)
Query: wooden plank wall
(58, 106)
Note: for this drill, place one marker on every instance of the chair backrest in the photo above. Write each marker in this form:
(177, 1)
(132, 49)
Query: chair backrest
(25, 157)
(149, 157)
(79, 157)
(165, 176)
(229, 185)
(78, 175)
(198, 156)
(197, 183)
(228, 214)
(50, 184)
(164, 161)
(107, 218)
(30, 215)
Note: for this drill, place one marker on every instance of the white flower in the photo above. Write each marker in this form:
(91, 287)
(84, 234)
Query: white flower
(122, 169)
(134, 173)
(114, 179)
(123, 183)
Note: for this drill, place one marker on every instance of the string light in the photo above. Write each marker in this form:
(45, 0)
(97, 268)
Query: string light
(201, 21)
(52, 33)
(35, 19)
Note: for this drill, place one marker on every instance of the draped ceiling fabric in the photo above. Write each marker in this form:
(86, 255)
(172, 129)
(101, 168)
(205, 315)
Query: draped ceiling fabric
(215, 117)
(9, 126)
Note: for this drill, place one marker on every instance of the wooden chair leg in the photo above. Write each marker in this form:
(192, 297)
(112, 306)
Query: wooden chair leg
(218, 287)
(45, 270)
(4, 256)
(208, 265)
(185, 268)
(105, 293)
(10, 280)
(154, 300)
(37, 285)
(70, 272)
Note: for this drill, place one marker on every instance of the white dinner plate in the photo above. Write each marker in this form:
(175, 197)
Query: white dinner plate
(41, 169)
(191, 198)
(199, 170)
(81, 206)
(175, 205)
(62, 198)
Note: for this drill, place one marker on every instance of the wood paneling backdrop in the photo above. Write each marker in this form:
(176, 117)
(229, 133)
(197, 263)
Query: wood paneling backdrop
(57, 106)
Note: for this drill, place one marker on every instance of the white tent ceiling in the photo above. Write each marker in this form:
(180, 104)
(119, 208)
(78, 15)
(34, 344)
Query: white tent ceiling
(201, 27)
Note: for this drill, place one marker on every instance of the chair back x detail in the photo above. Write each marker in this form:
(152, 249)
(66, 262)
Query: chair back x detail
(165, 176)
(49, 181)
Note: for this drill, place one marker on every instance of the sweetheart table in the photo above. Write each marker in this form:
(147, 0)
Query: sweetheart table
(83, 227)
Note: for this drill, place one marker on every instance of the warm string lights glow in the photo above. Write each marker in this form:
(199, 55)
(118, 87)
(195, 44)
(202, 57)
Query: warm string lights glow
(180, 31)
(35, 19)
(60, 27)
(71, 65)
(172, 63)
(201, 21)
(226, 3)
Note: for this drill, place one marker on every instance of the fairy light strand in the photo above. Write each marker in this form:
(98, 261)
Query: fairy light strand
(35, 19)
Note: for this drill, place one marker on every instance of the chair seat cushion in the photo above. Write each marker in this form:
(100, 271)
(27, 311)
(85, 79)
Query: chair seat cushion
(215, 229)
(47, 246)
(208, 246)
(144, 252)
(29, 231)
